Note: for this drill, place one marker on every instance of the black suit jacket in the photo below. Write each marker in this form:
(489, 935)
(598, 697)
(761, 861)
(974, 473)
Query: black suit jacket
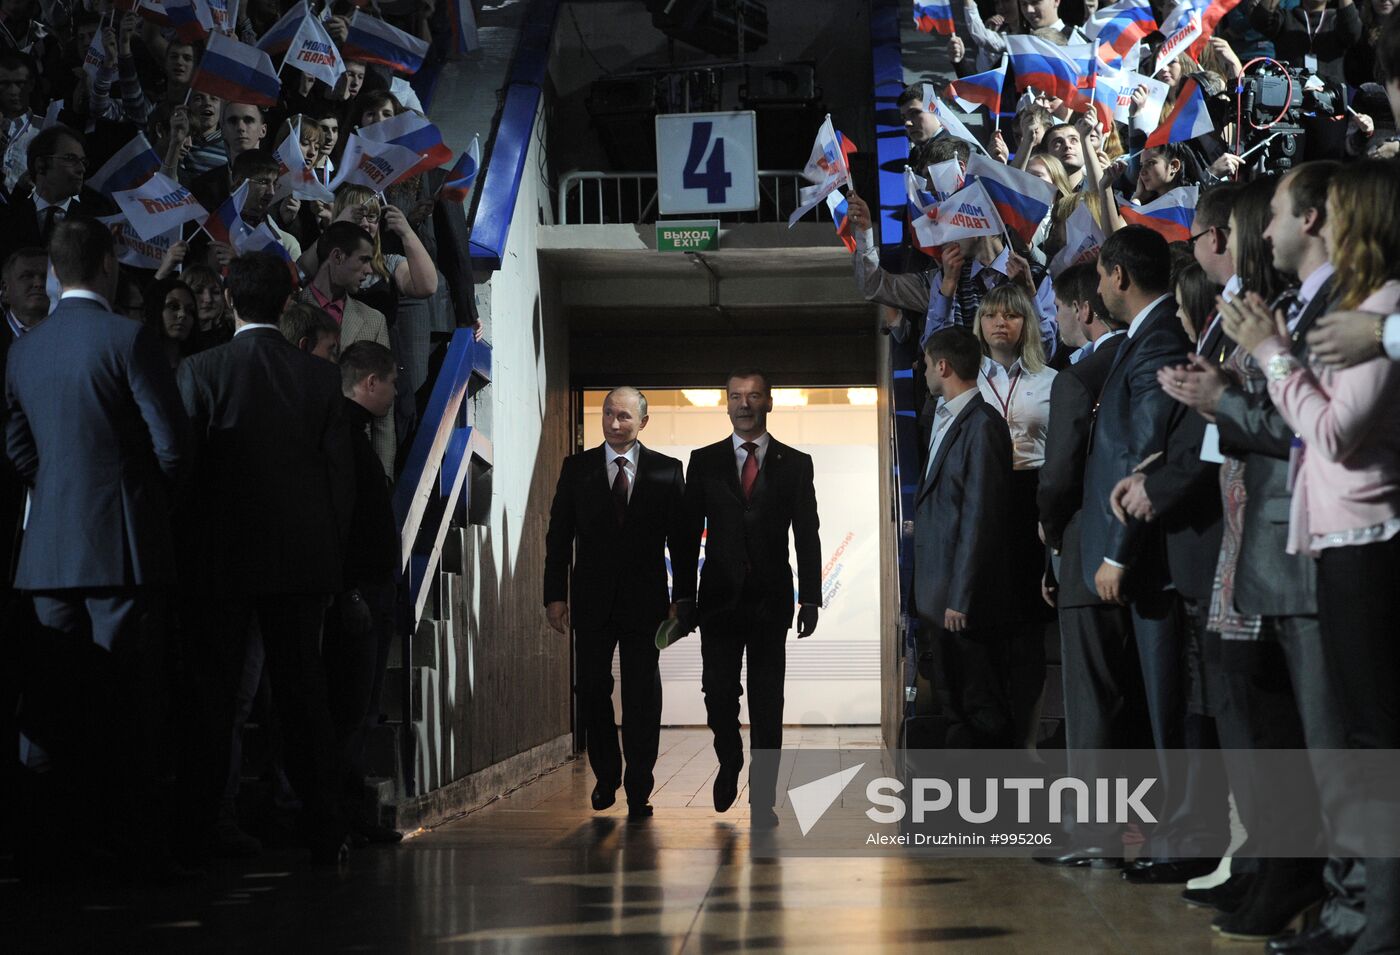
(1060, 494)
(96, 428)
(1185, 492)
(19, 221)
(1268, 580)
(746, 543)
(618, 572)
(1132, 422)
(268, 511)
(12, 487)
(960, 535)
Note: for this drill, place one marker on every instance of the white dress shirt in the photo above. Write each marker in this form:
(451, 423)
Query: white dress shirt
(87, 294)
(1311, 286)
(1141, 316)
(631, 455)
(1023, 399)
(943, 417)
(741, 455)
(41, 204)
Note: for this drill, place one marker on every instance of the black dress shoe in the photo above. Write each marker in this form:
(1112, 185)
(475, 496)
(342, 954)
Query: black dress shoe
(1318, 940)
(603, 796)
(637, 811)
(1225, 897)
(1091, 858)
(726, 788)
(1278, 897)
(763, 817)
(1169, 872)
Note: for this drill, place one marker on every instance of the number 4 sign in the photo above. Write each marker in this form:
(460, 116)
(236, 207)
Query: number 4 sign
(706, 162)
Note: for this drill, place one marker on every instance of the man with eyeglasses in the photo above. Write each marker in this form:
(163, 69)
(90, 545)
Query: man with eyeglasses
(258, 168)
(57, 164)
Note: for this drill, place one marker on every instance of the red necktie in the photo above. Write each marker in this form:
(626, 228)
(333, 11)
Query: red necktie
(749, 476)
(619, 489)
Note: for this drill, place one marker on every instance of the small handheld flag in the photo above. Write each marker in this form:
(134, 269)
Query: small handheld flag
(1169, 215)
(236, 72)
(934, 16)
(1188, 119)
(462, 176)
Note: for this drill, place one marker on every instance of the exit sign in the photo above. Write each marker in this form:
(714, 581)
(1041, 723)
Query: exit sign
(700, 235)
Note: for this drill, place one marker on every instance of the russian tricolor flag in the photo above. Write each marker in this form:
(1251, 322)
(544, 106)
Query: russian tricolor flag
(1170, 215)
(277, 39)
(1105, 86)
(1022, 200)
(1188, 119)
(128, 168)
(934, 16)
(236, 72)
(263, 239)
(460, 178)
(840, 214)
(1121, 25)
(414, 133)
(1041, 64)
(374, 41)
(979, 89)
(225, 224)
(192, 19)
(461, 27)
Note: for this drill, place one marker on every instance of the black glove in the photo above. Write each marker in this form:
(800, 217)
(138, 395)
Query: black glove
(685, 616)
(806, 620)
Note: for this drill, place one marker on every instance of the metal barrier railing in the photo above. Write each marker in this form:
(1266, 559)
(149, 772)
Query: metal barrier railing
(612, 198)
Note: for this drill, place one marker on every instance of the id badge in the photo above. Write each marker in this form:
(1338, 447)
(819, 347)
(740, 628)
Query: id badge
(1310, 63)
(1210, 446)
(1295, 461)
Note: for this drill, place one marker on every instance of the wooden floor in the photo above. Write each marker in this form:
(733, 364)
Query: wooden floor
(538, 871)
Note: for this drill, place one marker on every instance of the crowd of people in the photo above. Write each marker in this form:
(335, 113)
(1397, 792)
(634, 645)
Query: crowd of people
(196, 531)
(1180, 439)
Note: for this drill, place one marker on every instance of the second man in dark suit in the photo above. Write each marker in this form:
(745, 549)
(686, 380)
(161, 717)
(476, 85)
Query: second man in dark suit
(745, 493)
(616, 509)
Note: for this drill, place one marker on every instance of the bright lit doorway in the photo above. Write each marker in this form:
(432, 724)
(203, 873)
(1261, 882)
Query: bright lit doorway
(833, 677)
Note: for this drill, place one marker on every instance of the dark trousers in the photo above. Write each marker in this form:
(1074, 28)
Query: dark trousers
(1104, 705)
(641, 707)
(1194, 817)
(94, 701)
(355, 649)
(216, 643)
(973, 676)
(1358, 592)
(724, 642)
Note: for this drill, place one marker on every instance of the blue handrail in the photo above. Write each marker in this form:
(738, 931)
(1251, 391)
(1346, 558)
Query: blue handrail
(505, 165)
(433, 490)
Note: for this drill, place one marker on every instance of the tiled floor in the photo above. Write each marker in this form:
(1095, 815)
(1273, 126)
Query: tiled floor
(538, 871)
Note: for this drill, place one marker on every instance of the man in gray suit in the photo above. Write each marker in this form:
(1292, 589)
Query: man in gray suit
(97, 431)
(960, 556)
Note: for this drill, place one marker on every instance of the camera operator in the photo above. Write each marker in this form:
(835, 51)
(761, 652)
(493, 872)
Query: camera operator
(1311, 36)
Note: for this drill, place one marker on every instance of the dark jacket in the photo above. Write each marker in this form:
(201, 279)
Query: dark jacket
(371, 554)
(97, 429)
(1328, 37)
(618, 571)
(1185, 492)
(1132, 422)
(1060, 494)
(960, 534)
(19, 220)
(268, 512)
(746, 543)
(1268, 580)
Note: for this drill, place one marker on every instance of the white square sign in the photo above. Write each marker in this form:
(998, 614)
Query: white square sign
(706, 162)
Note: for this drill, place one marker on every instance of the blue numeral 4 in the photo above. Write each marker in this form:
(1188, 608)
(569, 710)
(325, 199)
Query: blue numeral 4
(715, 179)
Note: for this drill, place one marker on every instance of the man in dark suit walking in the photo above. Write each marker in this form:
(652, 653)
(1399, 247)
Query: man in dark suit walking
(1124, 561)
(960, 547)
(97, 432)
(744, 493)
(263, 537)
(1102, 680)
(616, 509)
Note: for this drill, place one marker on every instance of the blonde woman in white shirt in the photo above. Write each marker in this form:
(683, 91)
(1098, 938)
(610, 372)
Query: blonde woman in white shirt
(1016, 381)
